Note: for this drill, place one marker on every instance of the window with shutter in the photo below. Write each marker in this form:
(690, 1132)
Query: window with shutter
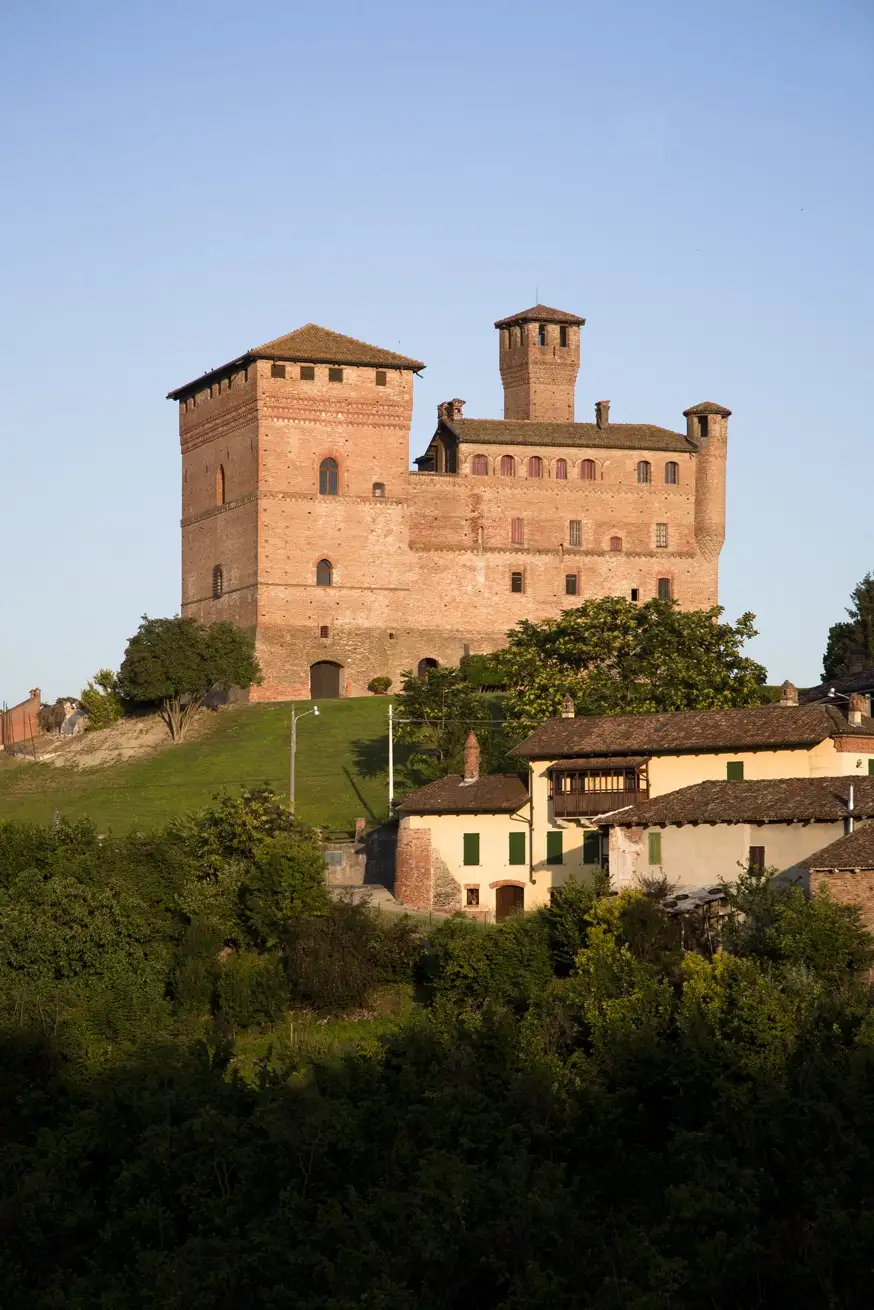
(517, 848)
(381, 378)
(661, 534)
(517, 532)
(335, 375)
(307, 373)
(655, 848)
(554, 853)
(644, 471)
(575, 532)
(587, 470)
(664, 588)
(570, 584)
(871, 768)
(471, 848)
(561, 469)
(277, 370)
(734, 771)
(757, 859)
(591, 847)
(517, 583)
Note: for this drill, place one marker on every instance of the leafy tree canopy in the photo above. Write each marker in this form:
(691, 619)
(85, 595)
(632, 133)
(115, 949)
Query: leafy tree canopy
(436, 710)
(616, 657)
(850, 643)
(177, 662)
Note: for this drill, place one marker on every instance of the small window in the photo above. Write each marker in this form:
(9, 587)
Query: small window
(561, 469)
(535, 467)
(277, 370)
(379, 491)
(307, 373)
(615, 543)
(324, 573)
(661, 534)
(591, 847)
(664, 588)
(516, 583)
(471, 896)
(757, 859)
(517, 532)
(541, 334)
(871, 768)
(335, 375)
(218, 581)
(471, 848)
(220, 485)
(508, 466)
(655, 847)
(575, 532)
(587, 470)
(554, 853)
(381, 378)
(635, 593)
(703, 431)
(324, 631)
(644, 471)
(329, 478)
(517, 848)
(562, 336)
(734, 771)
(570, 584)
(479, 465)
(672, 473)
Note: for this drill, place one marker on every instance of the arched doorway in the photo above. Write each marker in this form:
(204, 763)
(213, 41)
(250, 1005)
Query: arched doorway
(426, 664)
(325, 680)
(508, 900)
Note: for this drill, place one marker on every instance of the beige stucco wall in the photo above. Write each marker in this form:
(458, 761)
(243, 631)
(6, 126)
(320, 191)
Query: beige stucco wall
(668, 772)
(698, 855)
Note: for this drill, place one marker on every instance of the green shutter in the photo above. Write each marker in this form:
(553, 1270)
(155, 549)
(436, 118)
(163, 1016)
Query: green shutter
(517, 848)
(553, 848)
(734, 771)
(871, 768)
(591, 847)
(655, 848)
(471, 848)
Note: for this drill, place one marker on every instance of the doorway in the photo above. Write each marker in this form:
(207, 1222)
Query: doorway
(508, 900)
(426, 664)
(325, 680)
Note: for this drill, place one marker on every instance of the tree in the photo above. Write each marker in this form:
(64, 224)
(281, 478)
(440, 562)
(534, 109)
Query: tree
(612, 656)
(437, 709)
(850, 644)
(178, 662)
(51, 717)
(101, 700)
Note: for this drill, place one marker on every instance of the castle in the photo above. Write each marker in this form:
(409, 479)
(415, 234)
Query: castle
(303, 522)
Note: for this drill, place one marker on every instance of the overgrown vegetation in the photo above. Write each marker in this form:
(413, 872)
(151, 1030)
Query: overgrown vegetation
(102, 701)
(850, 644)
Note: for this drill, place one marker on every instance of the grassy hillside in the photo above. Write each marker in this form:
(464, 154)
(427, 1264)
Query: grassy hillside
(342, 770)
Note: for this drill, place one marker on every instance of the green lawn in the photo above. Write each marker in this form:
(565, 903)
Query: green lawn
(342, 769)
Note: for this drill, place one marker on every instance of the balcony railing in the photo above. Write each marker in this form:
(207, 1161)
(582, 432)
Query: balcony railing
(574, 804)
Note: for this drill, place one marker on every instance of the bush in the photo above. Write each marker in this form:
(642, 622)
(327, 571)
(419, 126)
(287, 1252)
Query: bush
(485, 672)
(379, 686)
(102, 701)
(251, 989)
(468, 964)
(335, 962)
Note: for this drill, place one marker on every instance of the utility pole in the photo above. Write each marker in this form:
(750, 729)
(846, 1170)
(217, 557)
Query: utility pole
(293, 750)
(391, 758)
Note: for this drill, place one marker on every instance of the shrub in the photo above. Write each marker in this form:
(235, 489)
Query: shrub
(379, 686)
(336, 961)
(251, 989)
(468, 964)
(102, 701)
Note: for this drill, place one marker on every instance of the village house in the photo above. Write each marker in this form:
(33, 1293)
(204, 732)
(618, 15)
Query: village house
(19, 724)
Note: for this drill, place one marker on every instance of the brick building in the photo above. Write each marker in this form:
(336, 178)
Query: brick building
(302, 520)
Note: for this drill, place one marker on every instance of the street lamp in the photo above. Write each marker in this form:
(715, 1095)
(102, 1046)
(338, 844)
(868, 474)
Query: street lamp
(293, 751)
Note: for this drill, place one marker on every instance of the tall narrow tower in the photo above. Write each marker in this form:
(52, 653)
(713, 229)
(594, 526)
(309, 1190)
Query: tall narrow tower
(540, 359)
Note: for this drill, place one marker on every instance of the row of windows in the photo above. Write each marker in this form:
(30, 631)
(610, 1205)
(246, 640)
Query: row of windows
(307, 373)
(575, 534)
(516, 849)
(664, 590)
(479, 467)
(516, 335)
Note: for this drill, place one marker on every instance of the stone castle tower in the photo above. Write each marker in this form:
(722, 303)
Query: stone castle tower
(302, 521)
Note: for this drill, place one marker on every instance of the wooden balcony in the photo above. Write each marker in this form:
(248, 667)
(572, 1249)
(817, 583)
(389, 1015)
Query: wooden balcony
(578, 804)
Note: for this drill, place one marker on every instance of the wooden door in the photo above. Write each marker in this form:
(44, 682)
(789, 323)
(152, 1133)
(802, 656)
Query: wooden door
(324, 680)
(509, 900)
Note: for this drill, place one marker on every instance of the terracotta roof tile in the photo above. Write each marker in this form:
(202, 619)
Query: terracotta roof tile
(496, 793)
(707, 407)
(764, 726)
(766, 800)
(855, 851)
(540, 314)
(616, 436)
(318, 345)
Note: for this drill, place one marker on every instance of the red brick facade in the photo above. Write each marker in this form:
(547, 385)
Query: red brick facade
(413, 876)
(422, 564)
(20, 723)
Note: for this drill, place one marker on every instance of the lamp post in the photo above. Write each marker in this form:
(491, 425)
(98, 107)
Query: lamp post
(294, 720)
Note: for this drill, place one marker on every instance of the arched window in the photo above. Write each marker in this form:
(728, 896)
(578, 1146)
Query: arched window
(587, 470)
(218, 581)
(615, 543)
(329, 480)
(324, 573)
(535, 467)
(426, 665)
(220, 485)
(508, 466)
(479, 465)
(644, 471)
(672, 472)
(561, 469)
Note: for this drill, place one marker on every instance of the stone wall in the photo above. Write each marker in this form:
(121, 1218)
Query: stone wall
(848, 887)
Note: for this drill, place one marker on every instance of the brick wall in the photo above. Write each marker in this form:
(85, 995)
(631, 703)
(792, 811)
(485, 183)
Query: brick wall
(848, 887)
(413, 867)
(20, 723)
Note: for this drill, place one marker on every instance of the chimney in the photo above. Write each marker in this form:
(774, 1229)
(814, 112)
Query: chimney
(788, 693)
(450, 410)
(568, 709)
(471, 758)
(602, 413)
(855, 709)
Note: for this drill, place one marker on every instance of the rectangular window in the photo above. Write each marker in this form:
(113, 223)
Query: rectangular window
(655, 848)
(562, 336)
(570, 584)
(324, 632)
(575, 532)
(664, 588)
(757, 858)
(541, 335)
(472, 896)
(703, 426)
(517, 583)
(734, 771)
(307, 373)
(635, 593)
(277, 370)
(517, 532)
(517, 848)
(554, 848)
(382, 381)
(661, 534)
(471, 848)
(591, 847)
(871, 768)
(335, 375)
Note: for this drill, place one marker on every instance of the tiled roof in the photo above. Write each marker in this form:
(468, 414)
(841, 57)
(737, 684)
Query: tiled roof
(616, 436)
(496, 793)
(707, 407)
(540, 314)
(861, 681)
(318, 345)
(765, 800)
(855, 851)
(764, 726)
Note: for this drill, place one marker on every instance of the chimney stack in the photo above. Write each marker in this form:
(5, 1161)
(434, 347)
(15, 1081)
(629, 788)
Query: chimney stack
(471, 758)
(450, 410)
(855, 708)
(568, 709)
(602, 413)
(788, 693)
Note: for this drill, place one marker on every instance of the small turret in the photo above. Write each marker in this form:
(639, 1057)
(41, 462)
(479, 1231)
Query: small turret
(707, 426)
(540, 359)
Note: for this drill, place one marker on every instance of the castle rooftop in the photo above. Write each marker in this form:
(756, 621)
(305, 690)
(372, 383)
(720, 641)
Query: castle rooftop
(528, 432)
(540, 314)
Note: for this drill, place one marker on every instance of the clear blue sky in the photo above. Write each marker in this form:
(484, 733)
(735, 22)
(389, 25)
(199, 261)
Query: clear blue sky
(181, 181)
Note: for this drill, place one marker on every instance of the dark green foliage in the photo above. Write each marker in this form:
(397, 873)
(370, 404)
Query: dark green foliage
(485, 672)
(567, 920)
(250, 989)
(467, 965)
(334, 962)
(380, 685)
(102, 700)
(284, 884)
(850, 643)
(436, 711)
